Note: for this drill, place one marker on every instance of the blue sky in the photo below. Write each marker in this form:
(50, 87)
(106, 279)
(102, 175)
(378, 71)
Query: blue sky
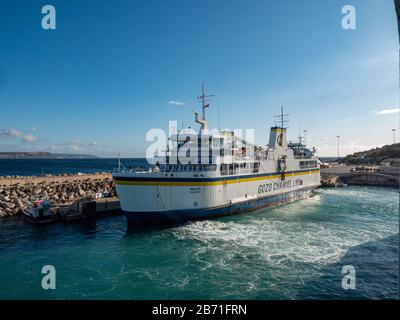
(106, 75)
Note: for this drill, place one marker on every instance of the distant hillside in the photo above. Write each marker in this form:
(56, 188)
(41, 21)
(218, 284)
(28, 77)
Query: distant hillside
(43, 155)
(373, 156)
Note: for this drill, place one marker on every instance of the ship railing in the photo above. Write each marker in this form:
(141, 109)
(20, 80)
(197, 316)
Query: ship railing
(130, 170)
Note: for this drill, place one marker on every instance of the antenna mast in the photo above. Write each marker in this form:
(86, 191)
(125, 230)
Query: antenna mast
(204, 104)
(282, 119)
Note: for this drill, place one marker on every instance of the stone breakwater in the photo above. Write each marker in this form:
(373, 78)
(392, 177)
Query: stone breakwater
(17, 192)
(360, 179)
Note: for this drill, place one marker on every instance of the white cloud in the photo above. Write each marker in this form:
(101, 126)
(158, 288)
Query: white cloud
(384, 59)
(388, 111)
(10, 133)
(76, 146)
(13, 133)
(29, 138)
(370, 61)
(177, 103)
(330, 150)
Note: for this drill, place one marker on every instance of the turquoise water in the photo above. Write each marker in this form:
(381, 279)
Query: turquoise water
(294, 251)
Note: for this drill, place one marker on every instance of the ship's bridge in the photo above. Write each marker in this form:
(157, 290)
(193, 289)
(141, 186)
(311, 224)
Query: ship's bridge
(188, 147)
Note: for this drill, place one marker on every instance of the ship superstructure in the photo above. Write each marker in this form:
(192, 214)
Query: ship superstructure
(212, 173)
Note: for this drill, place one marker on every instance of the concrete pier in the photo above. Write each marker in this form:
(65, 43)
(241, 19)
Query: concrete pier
(384, 177)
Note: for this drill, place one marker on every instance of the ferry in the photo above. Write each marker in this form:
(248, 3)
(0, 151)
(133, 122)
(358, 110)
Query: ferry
(214, 173)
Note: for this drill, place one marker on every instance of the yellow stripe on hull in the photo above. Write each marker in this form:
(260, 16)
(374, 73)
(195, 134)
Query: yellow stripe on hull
(210, 183)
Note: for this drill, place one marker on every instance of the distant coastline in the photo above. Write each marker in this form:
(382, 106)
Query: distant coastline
(44, 155)
(58, 166)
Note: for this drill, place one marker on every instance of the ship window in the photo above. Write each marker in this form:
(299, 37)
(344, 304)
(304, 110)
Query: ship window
(224, 169)
(231, 169)
(190, 168)
(308, 164)
(210, 167)
(256, 167)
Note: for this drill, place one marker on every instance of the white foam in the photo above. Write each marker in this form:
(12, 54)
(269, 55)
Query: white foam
(280, 240)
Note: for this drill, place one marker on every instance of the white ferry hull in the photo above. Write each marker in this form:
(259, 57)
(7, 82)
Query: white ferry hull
(173, 200)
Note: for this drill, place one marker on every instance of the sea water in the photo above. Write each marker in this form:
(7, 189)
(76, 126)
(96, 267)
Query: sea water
(293, 251)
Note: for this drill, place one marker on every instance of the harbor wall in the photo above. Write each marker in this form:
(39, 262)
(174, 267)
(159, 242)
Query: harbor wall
(332, 177)
(50, 179)
(16, 193)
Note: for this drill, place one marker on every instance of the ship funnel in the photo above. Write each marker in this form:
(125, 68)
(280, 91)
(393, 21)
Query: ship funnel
(277, 138)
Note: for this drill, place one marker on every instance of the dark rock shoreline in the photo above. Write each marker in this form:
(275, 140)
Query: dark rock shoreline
(16, 193)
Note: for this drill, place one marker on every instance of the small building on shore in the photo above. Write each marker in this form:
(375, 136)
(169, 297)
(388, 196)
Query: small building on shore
(391, 162)
(366, 169)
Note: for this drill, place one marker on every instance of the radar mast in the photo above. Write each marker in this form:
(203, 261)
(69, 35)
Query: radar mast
(205, 103)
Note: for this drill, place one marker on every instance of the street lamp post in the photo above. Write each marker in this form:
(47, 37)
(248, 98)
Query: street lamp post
(394, 136)
(338, 154)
